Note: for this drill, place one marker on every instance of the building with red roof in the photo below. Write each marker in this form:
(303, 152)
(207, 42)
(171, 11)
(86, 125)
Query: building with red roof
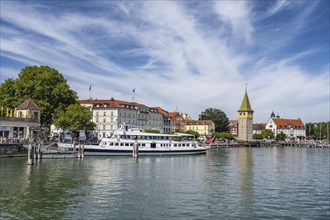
(233, 127)
(109, 115)
(292, 128)
(178, 123)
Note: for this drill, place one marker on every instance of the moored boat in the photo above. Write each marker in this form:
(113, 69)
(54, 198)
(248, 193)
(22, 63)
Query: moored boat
(125, 140)
(55, 154)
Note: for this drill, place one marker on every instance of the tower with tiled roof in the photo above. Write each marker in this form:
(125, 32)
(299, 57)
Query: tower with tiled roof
(245, 119)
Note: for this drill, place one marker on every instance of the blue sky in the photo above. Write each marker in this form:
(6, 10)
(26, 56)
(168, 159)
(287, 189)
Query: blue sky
(180, 55)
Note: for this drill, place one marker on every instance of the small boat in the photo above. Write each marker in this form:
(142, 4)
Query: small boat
(47, 153)
(127, 141)
(56, 154)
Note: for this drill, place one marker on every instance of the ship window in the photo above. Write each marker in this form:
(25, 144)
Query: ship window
(152, 145)
(126, 144)
(175, 145)
(116, 144)
(121, 144)
(110, 144)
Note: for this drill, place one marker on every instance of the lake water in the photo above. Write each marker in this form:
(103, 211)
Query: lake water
(230, 183)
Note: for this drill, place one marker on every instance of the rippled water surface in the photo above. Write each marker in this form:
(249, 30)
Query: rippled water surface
(231, 183)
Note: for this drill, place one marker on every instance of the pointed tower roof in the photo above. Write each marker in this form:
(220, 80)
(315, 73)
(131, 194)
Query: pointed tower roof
(245, 106)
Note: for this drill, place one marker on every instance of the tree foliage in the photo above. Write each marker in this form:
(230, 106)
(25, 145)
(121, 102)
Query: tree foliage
(257, 136)
(8, 94)
(219, 118)
(280, 137)
(75, 118)
(319, 130)
(152, 131)
(266, 133)
(223, 135)
(43, 85)
(195, 133)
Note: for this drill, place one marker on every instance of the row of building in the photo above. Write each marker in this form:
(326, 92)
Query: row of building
(108, 115)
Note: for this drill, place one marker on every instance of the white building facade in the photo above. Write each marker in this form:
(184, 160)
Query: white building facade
(292, 128)
(108, 115)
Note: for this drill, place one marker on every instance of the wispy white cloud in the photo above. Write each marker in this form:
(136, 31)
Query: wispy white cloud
(238, 15)
(181, 55)
(277, 7)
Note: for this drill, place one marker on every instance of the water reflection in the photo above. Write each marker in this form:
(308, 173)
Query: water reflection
(230, 183)
(245, 162)
(38, 191)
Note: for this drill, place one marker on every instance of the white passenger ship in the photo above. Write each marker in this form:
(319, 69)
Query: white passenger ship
(125, 140)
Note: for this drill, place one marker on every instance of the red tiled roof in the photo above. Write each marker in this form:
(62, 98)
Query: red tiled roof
(161, 111)
(173, 114)
(28, 105)
(110, 103)
(234, 122)
(287, 123)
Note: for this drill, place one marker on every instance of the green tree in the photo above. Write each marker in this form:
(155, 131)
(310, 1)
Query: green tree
(43, 85)
(152, 131)
(195, 133)
(223, 135)
(219, 118)
(280, 137)
(266, 133)
(257, 136)
(75, 118)
(8, 94)
(318, 130)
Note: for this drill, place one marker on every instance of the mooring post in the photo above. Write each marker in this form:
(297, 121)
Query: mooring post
(79, 151)
(39, 151)
(36, 151)
(74, 147)
(30, 154)
(83, 150)
(136, 148)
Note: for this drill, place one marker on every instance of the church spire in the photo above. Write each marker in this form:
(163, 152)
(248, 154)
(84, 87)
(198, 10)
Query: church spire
(245, 106)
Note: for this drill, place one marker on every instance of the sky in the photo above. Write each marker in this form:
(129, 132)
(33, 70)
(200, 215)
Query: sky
(183, 56)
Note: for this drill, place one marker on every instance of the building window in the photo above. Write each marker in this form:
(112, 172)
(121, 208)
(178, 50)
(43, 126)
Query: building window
(104, 113)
